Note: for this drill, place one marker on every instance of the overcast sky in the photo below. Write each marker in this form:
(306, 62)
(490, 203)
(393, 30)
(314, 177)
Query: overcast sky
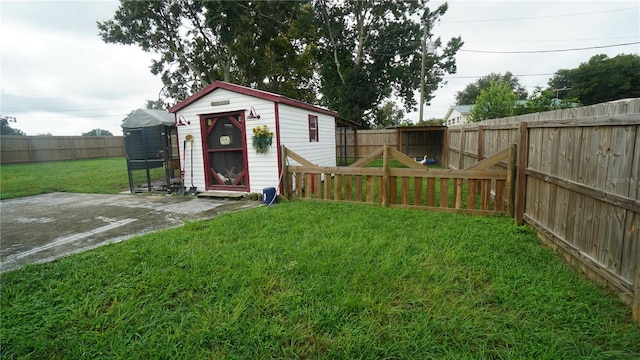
(58, 77)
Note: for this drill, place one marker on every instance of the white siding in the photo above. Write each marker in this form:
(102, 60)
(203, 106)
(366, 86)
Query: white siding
(456, 118)
(263, 169)
(294, 134)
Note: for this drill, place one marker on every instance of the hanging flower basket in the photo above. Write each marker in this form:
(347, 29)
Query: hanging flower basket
(262, 139)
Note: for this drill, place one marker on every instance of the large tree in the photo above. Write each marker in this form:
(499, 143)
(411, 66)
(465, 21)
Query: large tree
(370, 51)
(388, 115)
(98, 132)
(470, 93)
(498, 101)
(6, 129)
(275, 47)
(601, 79)
(260, 44)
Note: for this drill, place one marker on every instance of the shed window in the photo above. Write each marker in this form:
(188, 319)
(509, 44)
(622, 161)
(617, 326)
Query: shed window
(313, 128)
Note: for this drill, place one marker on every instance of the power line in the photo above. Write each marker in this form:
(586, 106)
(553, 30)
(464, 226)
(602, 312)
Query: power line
(66, 110)
(466, 41)
(538, 17)
(41, 117)
(515, 75)
(548, 51)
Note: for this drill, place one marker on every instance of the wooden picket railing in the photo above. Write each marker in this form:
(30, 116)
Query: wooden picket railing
(476, 190)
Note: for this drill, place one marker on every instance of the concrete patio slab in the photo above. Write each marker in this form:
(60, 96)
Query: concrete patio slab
(46, 227)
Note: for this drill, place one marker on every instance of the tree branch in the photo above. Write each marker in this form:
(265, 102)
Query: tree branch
(334, 44)
(178, 48)
(362, 37)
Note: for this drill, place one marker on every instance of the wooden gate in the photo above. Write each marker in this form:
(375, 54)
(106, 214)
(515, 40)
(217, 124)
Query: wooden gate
(476, 190)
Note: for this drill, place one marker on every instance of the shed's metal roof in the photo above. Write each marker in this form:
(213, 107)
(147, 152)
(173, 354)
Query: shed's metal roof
(148, 118)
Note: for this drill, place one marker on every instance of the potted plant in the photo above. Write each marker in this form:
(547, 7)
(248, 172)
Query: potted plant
(262, 139)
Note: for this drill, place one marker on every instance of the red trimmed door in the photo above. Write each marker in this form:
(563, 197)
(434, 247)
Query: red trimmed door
(224, 150)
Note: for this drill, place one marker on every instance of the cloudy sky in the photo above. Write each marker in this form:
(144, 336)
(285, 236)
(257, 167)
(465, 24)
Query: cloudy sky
(58, 77)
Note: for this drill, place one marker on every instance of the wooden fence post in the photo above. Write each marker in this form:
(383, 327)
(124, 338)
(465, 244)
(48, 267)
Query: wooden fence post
(480, 143)
(521, 187)
(74, 156)
(32, 157)
(480, 152)
(445, 149)
(106, 147)
(461, 150)
(385, 176)
(636, 293)
(355, 145)
(284, 174)
(511, 180)
(457, 188)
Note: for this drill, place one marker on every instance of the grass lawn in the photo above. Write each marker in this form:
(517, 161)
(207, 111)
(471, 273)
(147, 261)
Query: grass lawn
(316, 280)
(106, 176)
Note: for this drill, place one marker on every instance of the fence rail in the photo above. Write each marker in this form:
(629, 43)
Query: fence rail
(578, 183)
(477, 191)
(30, 149)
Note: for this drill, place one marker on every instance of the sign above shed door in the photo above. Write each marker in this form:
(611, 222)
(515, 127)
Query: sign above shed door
(225, 151)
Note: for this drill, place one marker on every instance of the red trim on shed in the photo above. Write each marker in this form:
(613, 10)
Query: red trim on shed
(276, 109)
(240, 124)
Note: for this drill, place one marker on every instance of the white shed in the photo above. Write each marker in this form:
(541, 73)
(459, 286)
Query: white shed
(220, 119)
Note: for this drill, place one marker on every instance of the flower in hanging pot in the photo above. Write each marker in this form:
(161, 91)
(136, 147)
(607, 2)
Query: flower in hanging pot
(262, 139)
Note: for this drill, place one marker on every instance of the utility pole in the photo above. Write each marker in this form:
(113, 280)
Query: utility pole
(558, 91)
(426, 49)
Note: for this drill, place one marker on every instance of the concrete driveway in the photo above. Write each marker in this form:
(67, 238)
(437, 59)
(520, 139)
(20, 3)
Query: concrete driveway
(42, 228)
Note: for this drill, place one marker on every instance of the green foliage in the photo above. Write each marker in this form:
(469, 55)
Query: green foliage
(363, 51)
(388, 115)
(316, 281)
(430, 122)
(98, 132)
(471, 92)
(274, 43)
(544, 100)
(5, 129)
(497, 101)
(262, 44)
(371, 50)
(601, 79)
(156, 105)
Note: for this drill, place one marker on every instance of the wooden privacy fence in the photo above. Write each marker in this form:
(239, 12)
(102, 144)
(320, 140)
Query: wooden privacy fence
(370, 140)
(477, 190)
(30, 149)
(579, 171)
(414, 141)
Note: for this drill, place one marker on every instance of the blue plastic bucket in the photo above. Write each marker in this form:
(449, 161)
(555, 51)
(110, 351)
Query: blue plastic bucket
(269, 195)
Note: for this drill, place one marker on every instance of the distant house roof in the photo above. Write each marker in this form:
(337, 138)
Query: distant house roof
(462, 109)
(250, 92)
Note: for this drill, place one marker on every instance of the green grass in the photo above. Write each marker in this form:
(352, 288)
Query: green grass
(316, 280)
(107, 176)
